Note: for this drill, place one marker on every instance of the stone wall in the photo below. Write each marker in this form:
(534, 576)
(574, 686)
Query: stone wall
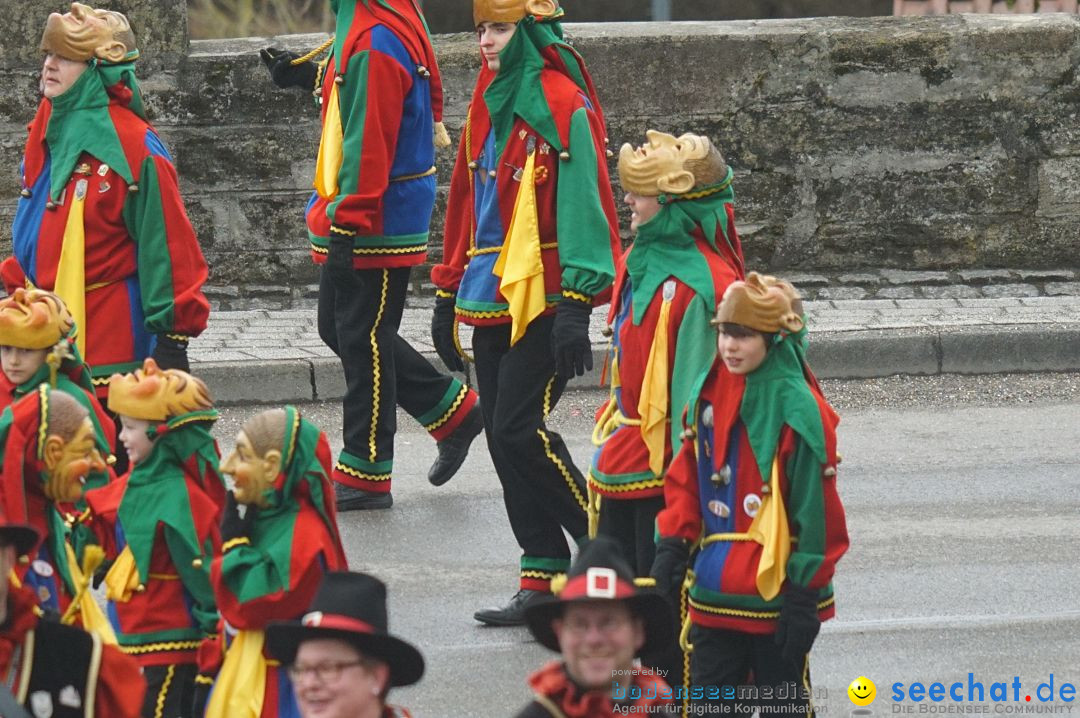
(923, 143)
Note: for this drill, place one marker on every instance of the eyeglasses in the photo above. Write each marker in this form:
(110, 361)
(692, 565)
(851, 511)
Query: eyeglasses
(324, 672)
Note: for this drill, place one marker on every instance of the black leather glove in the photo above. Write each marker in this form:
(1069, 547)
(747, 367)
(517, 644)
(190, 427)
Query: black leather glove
(570, 338)
(339, 260)
(232, 524)
(283, 73)
(798, 625)
(669, 567)
(171, 353)
(442, 333)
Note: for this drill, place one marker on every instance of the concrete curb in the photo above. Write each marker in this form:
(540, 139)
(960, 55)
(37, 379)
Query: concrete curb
(864, 354)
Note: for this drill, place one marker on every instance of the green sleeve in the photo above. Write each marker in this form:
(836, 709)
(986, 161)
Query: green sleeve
(584, 228)
(806, 514)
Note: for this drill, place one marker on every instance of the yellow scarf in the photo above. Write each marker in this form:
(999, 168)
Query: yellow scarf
(241, 683)
(71, 271)
(654, 400)
(328, 164)
(770, 529)
(84, 605)
(519, 265)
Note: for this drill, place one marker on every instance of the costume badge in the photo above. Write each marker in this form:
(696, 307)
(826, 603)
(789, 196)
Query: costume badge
(751, 504)
(83, 169)
(719, 508)
(70, 697)
(669, 290)
(42, 568)
(103, 170)
(707, 416)
(43, 594)
(103, 187)
(80, 190)
(41, 704)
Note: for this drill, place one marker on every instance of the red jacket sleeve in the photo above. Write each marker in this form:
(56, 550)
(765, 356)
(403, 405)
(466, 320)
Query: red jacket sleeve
(458, 228)
(681, 515)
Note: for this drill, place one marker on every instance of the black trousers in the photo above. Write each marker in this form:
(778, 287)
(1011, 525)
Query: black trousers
(170, 691)
(360, 323)
(632, 523)
(753, 663)
(544, 492)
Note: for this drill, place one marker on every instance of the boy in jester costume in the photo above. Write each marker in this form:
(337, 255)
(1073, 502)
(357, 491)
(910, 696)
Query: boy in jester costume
(530, 245)
(273, 556)
(753, 492)
(685, 253)
(49, 450)
(37, 345)
(100, 221)
(159, 525)
(381, 96)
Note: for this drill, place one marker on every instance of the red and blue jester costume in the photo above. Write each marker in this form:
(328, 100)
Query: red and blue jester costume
(368, 221)
(271, 572)
(530, 247)
(662, 347)
(753, 486)
(101, 223)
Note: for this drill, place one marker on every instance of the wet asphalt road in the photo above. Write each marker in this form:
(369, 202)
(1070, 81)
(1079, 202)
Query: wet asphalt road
(962, 496)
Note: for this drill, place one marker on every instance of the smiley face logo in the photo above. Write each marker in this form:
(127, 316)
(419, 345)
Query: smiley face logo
(862, 691)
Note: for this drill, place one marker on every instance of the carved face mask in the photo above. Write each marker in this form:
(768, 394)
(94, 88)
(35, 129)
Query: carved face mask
(511, 10)
(253, 475)
(84, 33)
(660, 166)
(69, 462)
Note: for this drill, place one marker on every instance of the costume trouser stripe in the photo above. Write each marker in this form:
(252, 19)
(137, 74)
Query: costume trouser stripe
(518, 387)
(360, 322)
(170, 690)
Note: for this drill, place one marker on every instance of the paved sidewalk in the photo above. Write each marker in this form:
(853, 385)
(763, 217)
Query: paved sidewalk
(267, 355)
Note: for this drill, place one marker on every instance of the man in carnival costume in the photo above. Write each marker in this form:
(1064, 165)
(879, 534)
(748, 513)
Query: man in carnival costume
(598, 621)
(530, 243)
(753, 489)
(100, 221)
(159, 525)
(381, 96)
(49, 450)
(274, 555)
(53, 669)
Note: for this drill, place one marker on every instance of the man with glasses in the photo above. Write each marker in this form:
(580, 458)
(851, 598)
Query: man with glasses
(340, 656)
(599, 621)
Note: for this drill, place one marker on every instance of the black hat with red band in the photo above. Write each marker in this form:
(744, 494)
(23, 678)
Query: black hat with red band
(601, 574)
(350, 607)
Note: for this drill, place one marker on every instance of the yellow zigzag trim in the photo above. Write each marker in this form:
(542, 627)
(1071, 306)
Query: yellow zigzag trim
(159, 705)
(189, 420)
(632, 486)
(493, 314)
(156, 647)
(376, 387)
(449, 412)
(538, 574)
(764, 615)
(100, 380)
(360, 474)
(551, 455)
(411, 249)
(494, 250)
(576, 295)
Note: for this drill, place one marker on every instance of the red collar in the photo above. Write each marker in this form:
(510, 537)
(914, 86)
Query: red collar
(552, 683)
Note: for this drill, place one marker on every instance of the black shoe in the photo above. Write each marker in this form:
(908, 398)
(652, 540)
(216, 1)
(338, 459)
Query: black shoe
(454, 448)
(350, 499)
(513, 613)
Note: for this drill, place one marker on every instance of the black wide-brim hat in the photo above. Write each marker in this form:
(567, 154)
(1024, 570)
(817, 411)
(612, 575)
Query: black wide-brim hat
(24, 538)
(601, 574)
(350, 607)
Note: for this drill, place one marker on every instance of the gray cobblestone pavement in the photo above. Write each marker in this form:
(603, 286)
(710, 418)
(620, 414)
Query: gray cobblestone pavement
(869, 324)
